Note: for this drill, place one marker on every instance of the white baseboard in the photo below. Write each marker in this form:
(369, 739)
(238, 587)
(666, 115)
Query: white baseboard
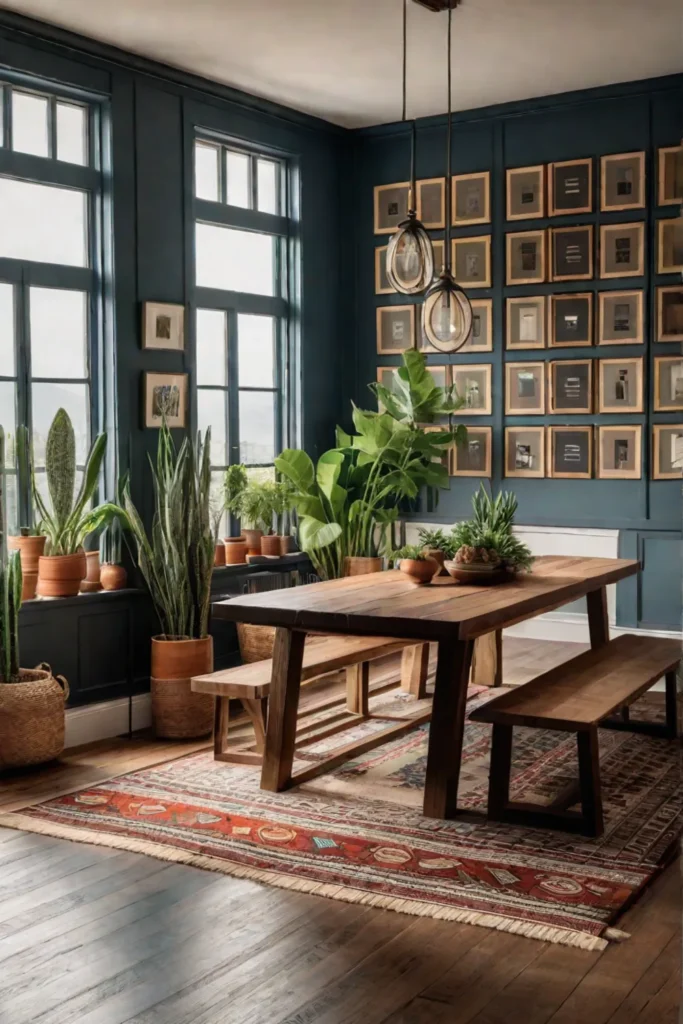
(573, 627)
(107, 719)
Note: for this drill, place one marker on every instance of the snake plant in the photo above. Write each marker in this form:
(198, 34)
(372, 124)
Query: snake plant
(10, 590)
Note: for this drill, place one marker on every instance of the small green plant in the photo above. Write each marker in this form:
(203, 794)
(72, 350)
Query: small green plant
(10, 590)
(438, 540)
(235, 483)
(110, 544)
(256, 506)
(414, 552)
(24, 466)
(490, 529)
(281, 495)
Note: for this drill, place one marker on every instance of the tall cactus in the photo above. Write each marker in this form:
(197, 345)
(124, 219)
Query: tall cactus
(10, 589)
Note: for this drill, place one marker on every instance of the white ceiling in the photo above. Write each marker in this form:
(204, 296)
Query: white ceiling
(340, 59)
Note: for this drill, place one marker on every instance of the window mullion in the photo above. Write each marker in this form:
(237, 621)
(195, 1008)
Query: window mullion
(233, 430)
(52, 127)
(22, 357)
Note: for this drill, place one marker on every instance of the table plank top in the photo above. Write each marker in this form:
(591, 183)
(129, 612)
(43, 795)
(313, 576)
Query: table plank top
(388, 604)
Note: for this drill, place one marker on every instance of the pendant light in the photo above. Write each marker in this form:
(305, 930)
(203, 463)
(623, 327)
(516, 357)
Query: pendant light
(410, 257)
(446, 312)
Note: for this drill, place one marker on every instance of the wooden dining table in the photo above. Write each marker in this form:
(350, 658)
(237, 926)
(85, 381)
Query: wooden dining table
(389, 604)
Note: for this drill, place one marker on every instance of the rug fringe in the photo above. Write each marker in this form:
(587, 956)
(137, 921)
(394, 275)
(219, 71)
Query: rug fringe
(347, 894)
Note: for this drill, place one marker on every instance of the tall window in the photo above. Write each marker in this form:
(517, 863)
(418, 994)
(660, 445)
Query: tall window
(50, 188)
(241, 236)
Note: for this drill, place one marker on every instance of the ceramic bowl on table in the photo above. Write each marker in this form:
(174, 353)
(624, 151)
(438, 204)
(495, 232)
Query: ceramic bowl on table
(477, 573)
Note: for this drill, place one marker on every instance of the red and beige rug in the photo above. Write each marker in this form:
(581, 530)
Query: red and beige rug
(358, 834)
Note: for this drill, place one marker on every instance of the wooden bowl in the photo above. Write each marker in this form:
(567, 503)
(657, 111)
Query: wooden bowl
(477, 574)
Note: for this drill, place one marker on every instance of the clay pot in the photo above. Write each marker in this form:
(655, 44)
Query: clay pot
(32, 718)
(30, 549)
(219, 556)
(418, 571)
(437, 556)
(285, 544)
(235, 550)
(177, 712)
(359, 566)
(253, 539)
(91, 584)
(270, 545)
(113, 577)
(60, 575)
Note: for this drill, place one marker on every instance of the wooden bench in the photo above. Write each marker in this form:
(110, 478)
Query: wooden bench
(250, 683)
(578, 697)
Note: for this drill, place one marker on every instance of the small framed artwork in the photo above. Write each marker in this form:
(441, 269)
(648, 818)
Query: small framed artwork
(386, 375)
(525, 192)
(525, 322)
(440, 375)
(570, 383)
(481, 335)
(524, 389)
(670, 246)
(570, 187)
(668, 383)
(670, 313)
(622, 250)
(621, 318)
(525, 257)
(571, 253)
(622, 181)
(667, 451)
(525, 451)
(473, 383)
(163, 326)
(165, 395)
(473, 458)
(570, 453)
(670, 177)
(391, 206)
(470, 198)
(619, 452)
(382, 284)
(620, 385)
(472, 261)
(395, 329)
(571, 320)
(431, 202)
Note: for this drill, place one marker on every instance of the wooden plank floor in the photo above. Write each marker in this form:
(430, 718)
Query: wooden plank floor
(98, 936)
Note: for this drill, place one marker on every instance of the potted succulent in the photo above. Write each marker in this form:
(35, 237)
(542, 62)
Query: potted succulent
(113, 575)
(415, 563)
(255, 509)
(68, 520)
(30, 541)
(281, 497)
(485, 548)
(234, 484)
(438, 545)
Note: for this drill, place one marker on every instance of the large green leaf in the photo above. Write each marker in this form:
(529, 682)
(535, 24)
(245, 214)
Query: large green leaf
(314, 534)
(298, 467)
(60, 465)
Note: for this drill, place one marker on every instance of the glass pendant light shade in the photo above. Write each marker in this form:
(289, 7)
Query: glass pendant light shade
(410, 258)
(446, 314)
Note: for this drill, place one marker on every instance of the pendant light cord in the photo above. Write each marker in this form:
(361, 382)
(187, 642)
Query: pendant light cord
(449, 183)
(413, 141)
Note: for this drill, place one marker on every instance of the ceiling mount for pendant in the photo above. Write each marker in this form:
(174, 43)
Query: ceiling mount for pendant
(438, 5)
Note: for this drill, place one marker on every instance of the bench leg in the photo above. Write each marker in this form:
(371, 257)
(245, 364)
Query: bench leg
(414, 670)
(487, 660)
(258, 713)
(499, 770)
(671, 685)
(589, 781)
(598, 619)
(357, 688)
(221, 718)
(444, 753)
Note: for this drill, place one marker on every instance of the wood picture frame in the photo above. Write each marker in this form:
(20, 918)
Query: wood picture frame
(670, 245)
(474, 458)
(570, 452)
(471, 199)
(525, 452)
(525, 322)
(525, 388)
(525, 192)
(473, 383)
(390, 339)
(390, 203)
(622, 181)
(670, 175)
(669, 313)
(382, 284)
(431, 200)
(526, 257)
(441, 375)
(386, 374)
(570, 386)
(620, 377)
(622, 250)
(570, 187)
(571, 253)
(619, 452)
(571, 320)
(667, 451)
(163, 326)
(164, 393)
(481, 335)
(668, 384)
(472, 269)
(620, 318)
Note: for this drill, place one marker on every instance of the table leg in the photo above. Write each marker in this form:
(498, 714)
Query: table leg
(278, 756)
(447, 728)
(487, 660)
(414, 670)
(598, 620)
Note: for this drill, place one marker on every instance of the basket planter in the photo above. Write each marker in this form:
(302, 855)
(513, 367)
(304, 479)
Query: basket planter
(256, 642)
(419, 571)
(253, 539)
(235, 550)
(91, 584)
(60, 575)
(219, 555)
(32, 718)
(359, 566)
(177, 712)
(113, 577)
(270, 545)
(30, 549)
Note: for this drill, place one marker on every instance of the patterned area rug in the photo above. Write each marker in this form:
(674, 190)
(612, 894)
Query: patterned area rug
(358, 834)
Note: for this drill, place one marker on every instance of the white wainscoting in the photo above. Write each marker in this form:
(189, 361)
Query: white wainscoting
(106, 719)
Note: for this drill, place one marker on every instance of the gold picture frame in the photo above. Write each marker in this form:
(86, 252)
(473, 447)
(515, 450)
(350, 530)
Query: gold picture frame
(525, 445)
(619, 173)
(583, 455)
(664, 368)
(670, 175)
(382, 285)
(620, 318)
(165, 395)
(530, 378)
(525, 330)
(518, 264)
(481, 335)
(163, 326)
(462, 261)
(618, 241)
(670, 245)
(464, 463)
(620, 376)
(570, 320)
(525, 192)
(619, 452)
(385, 198)
(477, 380)
(573, 389)
(561, 252)
(383, 314)
(570, 187)
(426, 188)
(462, 183)
(669, 314)
(667, 466)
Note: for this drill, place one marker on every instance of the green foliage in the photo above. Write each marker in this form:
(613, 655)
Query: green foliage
(491, 527)
(234, 484)
(414, 397)
(110, 543)
(10, 589)
(281, 493)
(24, 467)
(437, 539)
(256, 506)
(415, 552)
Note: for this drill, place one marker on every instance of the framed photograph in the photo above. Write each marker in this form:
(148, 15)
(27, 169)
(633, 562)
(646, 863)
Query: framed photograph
(622, 250)
(667, 451)
(470, 198)
(525, 257)
(440, 375)
(382, 285)
(163, 326)
(571, 320)
(621, 318)
(471, 259)
(670, 313)
(165, 394)
(570, 453)
(386, 375)
(524, 451)
(481, 335)
(525, 192)
(473, 458)
(525, 322)
(670, 246)
(391, 206)
(570, 187)
(571, 253)
(524, 389)
(622, 181)
(473, 383)
(670, 177)
(668, 383)
(431, 202)
(570, 386)
(395, 329)
(620, 452)
(620, 385)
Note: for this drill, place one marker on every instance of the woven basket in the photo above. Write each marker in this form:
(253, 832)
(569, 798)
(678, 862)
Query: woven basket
(32, 718)
(177, 712)
(256, 642)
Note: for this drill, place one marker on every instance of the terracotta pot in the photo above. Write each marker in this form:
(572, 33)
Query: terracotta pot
(32, 718)
(91, 584)
(285, 544)
(235, 550)
(419, 571)
(253, 539)
(359, 566)
(219, 556)
(113, 577)
(177, 712)
(30, 550)
(60, 575)
(270, 545)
